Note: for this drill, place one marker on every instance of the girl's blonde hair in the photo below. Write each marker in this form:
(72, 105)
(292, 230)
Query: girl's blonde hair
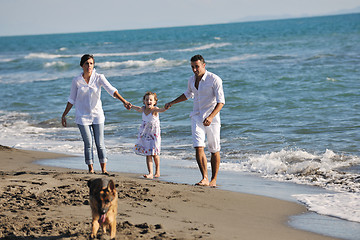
(151, 93)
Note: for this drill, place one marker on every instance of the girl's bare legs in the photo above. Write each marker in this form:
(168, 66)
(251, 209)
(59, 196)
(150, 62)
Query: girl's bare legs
(157, 165)
(149, 164)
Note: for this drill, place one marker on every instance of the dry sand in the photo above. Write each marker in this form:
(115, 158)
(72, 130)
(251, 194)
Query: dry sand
(40, 202)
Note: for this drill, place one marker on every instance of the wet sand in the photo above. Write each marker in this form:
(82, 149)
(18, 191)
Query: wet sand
(41, 202)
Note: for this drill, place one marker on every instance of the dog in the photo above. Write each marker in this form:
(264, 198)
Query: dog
(103, 203)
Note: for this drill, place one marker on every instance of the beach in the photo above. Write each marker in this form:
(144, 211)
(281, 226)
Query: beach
(40, 202)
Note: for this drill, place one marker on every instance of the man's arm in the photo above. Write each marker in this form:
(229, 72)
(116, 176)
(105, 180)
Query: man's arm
(216, 110)
(181, 98)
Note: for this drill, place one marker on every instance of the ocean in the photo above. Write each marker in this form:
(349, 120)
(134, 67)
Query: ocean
(291, 119)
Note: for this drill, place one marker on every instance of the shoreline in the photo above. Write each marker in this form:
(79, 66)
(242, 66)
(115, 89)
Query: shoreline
(43, 201)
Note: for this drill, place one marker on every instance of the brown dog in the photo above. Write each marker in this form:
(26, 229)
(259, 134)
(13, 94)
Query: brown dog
(103, 202)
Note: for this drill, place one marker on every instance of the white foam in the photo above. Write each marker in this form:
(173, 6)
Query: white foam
(159, 62)
(45, 56)
(4, 60)
(302, 167)
(233, 59)
(320, 170)
(124, 54)
(55, 64)
(203, 47)
(341, 205)
(197, 48)
(17, 130)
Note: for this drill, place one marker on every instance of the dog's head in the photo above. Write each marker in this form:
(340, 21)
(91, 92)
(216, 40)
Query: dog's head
(104, 192)
(106, 196)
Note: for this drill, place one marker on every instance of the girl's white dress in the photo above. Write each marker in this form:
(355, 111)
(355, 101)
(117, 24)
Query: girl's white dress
(149, 139)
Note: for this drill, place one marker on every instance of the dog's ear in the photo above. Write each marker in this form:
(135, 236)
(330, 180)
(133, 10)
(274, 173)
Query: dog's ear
(89, 183)
(111, 185)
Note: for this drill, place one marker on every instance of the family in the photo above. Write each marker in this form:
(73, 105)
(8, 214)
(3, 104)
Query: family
(204, 87)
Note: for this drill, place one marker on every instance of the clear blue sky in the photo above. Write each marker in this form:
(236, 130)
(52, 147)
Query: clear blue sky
(23, 17)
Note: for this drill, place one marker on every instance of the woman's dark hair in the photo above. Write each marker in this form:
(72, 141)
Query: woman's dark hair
(85, 58)
(197, 58)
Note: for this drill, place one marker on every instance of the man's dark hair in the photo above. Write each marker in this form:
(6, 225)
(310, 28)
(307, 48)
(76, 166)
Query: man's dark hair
(197, 58)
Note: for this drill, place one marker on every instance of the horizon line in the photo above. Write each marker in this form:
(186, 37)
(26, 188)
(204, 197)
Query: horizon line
(264, 19)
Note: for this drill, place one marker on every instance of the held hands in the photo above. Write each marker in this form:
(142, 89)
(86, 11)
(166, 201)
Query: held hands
(168, 105)
(127, 105)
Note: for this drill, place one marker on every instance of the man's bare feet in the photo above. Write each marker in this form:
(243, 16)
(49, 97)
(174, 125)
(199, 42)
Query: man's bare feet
(212, 183)
(149, 176)
(204, 182)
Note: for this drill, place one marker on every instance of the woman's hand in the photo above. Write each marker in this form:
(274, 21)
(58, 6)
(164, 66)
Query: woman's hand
(67, 109)
(63, 121)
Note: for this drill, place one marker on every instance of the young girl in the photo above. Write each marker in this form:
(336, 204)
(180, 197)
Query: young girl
(149, 140)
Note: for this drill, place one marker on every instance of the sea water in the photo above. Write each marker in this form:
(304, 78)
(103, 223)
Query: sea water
(292, 108)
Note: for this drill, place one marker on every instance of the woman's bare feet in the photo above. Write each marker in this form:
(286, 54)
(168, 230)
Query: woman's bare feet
(204, 182)
(91, 169)
(149, 176)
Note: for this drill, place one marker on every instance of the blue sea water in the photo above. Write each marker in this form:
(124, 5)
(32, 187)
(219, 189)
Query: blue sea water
(292, 108)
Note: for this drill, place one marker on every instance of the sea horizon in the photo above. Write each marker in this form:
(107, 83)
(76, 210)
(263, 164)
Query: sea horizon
(182, 26)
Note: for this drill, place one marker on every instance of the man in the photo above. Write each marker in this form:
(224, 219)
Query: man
(207, 90)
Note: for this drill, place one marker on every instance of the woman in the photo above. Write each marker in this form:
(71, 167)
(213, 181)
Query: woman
(85, 95)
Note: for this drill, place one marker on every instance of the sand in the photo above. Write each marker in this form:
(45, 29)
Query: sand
(41, 202)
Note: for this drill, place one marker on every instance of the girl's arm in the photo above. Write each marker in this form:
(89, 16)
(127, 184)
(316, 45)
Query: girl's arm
(139, 109)
(157, 110)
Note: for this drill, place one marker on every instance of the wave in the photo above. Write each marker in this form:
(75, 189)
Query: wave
(5, 60)
(124, 54)
(203, 47)
(341, 205)
(326, 170)
(19, 130)
(60, 64)
(48, 56)
(159, 62)
(239, 58)
(23, 77)
(322, 170)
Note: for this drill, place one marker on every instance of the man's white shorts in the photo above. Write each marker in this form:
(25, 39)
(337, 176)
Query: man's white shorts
(200, 132)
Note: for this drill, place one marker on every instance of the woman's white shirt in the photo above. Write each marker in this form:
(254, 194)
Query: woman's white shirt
(86, 97)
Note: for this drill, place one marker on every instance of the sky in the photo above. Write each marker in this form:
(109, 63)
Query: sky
(32, 17)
